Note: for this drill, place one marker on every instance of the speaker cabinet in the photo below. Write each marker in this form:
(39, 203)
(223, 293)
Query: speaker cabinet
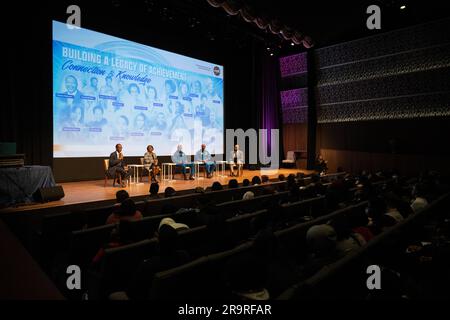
(49, 194)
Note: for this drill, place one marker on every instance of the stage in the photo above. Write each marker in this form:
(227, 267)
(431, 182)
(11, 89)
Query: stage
(83, 193)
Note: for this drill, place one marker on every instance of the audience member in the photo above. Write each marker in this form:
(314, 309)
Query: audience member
(170, 222)
(169, 256)
(321, 240)
(346, 239)
(154, 189)
(216, 186)
(419, 201)
(127, 211)
(233, 184)
(122, 235)
(256, 181)
(169, 192)
(199, 190)
(359, 221)
(248, 195)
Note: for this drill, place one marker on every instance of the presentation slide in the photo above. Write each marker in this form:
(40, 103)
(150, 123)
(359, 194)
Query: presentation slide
(107, 90)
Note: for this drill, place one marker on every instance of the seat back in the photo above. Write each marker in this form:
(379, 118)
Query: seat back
(192, 219)
(240, 225)
(154, 207)
(86, 243)
(290, 155)
(193, 240)
(232, 208)
(201, 279)
(97, 216)
(182, 282)
(297, 211)
(145, 228)
(293, 239)
(55, 232)
(119, 264)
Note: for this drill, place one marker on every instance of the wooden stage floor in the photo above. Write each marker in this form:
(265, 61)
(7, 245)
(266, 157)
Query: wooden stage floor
(84, 192)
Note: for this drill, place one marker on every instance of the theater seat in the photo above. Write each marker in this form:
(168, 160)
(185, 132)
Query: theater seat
(240, 225)
(86, 243)
(119, 264)
(201, 279)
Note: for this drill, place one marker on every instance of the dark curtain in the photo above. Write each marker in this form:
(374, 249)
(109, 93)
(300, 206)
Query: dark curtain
(26, 110)
(269, 98)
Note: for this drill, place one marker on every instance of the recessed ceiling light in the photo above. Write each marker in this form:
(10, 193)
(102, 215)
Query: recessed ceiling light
(292, 44)
(402, 7)
(271, 54)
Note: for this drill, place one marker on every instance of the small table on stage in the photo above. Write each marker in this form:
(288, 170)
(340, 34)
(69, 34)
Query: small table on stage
(167, 171)
(197, 165)
(222, 165)
(136, 173)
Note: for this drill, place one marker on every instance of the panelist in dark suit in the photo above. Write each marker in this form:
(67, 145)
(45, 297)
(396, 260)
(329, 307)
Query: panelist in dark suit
(117, 164)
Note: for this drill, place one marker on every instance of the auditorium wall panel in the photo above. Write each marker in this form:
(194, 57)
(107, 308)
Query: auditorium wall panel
(356, 161)
(295, 137)
(382, 101)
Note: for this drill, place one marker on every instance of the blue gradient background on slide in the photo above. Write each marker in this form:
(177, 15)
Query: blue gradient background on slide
(107, 91)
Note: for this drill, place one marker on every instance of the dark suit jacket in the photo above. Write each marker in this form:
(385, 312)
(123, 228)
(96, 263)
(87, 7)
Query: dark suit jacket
(114, 164)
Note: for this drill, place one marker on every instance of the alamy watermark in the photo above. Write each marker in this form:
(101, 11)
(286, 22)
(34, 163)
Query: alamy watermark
(259, 151)
(374, 280)
(374, 20)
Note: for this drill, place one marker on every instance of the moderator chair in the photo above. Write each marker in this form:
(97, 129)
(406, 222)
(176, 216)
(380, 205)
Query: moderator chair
(290, 159)
(107, 175)
(239, 167)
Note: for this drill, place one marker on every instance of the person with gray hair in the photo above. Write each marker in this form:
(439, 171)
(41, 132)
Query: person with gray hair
(321, 240)
(180, 159)
(203, 156)
(248, 195)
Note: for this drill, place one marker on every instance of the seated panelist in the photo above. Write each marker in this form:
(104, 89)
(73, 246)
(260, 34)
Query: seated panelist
(204, 156)
(151, 163)
(180, 159)
(117, 164)
(236, 160)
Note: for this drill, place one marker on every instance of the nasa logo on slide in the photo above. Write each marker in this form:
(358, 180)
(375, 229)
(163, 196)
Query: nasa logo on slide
(216, 71)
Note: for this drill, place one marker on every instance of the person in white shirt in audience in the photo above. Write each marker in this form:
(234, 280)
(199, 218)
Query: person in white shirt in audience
(419, 201)
(392, 211)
